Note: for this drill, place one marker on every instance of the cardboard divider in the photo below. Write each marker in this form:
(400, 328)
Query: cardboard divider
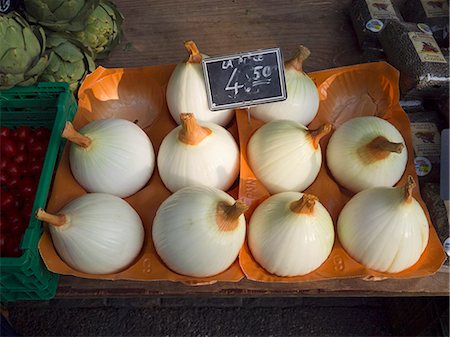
(360, 90)
(138, 95)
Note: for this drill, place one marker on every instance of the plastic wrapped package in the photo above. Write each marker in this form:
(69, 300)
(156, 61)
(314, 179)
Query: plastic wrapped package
(434, 13)
(415, 53)
(368, 18)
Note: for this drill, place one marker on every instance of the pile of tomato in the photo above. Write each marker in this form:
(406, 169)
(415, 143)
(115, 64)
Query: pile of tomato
(22, 155)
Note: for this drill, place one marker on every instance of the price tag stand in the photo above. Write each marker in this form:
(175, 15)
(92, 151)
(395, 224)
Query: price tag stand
(244, 79)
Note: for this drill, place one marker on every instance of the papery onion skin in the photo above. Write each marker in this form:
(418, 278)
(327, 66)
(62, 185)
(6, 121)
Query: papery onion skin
(286, 243)
(382, 231)
(103, 234)
(350, 169)
(187, 237)
(186, 91)
(302, 101)
(283, 156)
(119, 161)
(213, 162)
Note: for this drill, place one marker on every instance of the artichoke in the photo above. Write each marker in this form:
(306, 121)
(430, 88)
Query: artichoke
(69, 61)
(60, 15)
(103, 30)
(22, 47)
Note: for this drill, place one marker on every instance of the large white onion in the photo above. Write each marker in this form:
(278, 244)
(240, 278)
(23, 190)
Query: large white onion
(198, 231)
(186, 90)
(302, 101)
(96, 233)
(110, 156)
(366, 152)
(204, 154)
(384, 228)
(291, 234)
(285, 155)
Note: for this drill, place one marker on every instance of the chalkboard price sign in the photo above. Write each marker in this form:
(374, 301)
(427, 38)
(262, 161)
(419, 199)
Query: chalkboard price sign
(244, 79)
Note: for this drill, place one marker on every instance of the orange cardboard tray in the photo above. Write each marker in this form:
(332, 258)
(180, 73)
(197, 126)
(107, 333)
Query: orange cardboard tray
(138, 95)
(360, 90)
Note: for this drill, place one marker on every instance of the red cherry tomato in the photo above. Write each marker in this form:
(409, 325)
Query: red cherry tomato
(25, 170)
(13, 246)
(21, 146)
(13, 170)
(26, 211)
(18, 203)
(21, 158)
(12, 182)
(23, 133)
(40, 160)
(27, 187)
(35, 169)
(3, 226)
(16, 192)
(17, 229)
(8, 147)
(42, 133)
(13, 216)
(3, 245)
(5, 132)
(4, 178)
(30, 141)
(37, 148)
(3, 162)
(7, 200)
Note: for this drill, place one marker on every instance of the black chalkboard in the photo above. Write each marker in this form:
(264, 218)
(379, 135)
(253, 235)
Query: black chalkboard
(244, 79)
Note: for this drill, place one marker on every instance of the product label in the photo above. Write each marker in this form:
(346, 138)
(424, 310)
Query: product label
(374, 25)
(381, 9)
(426, 47)
(423, 166)
(426, 141)
(447, 246)
(435, 8)
(425, 28)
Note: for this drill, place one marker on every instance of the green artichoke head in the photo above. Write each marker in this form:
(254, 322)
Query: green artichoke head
(60, 15)
(69, 61)
(22, 48)
(103, 30)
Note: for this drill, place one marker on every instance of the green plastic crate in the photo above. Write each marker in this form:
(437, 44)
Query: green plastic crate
(49, 105)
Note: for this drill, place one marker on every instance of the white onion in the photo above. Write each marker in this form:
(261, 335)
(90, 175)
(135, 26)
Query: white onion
(186, 90)
(110, 156)
(193, 153)
(302, 101)
(96, 233)
(198, 231)
(291, 234)
(384, 228)
(285, 155)
(366, 152)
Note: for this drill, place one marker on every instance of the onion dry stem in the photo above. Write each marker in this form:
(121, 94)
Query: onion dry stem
(54, 220)
(227, 216)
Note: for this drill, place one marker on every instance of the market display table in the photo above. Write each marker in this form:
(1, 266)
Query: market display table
(435, 285)
(154, 35)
